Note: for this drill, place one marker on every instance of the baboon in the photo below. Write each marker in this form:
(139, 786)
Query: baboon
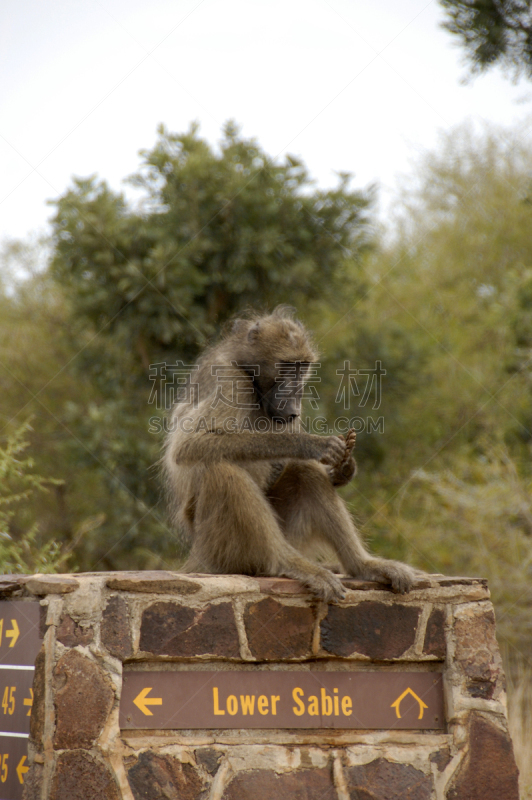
(249, 487)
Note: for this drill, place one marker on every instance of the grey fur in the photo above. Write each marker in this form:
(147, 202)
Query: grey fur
(251, 502)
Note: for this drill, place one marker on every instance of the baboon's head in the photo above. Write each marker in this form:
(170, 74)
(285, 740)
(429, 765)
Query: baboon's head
(280, 350)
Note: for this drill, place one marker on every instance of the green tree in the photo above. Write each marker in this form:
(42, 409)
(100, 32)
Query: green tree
(450, 491)
(39, 342)
(492, 32)
(30, 552)
(217, 229)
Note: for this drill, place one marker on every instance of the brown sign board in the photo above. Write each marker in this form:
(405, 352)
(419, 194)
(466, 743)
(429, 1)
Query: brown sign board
(282, 699)
(20, 643)
(13, 767)
(16, 700)
(19, 633)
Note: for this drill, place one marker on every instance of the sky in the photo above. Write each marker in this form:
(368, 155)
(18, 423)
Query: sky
(346, 85)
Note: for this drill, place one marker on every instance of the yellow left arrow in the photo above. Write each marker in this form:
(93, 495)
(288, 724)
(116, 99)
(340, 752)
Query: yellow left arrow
(21, 769)
(13, 633)
(142, 701)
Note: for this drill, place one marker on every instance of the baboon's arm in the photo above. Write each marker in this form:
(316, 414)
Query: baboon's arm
(212, 447)
(342, 475)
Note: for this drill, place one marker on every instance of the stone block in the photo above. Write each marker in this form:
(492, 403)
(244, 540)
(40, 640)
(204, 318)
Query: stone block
(384, 780)
(458, 581)
(275, 631)
(37, 709)
(441, 758)
(51, 584)
(80, 776)
(83, 699)
(32, 789)
(489, 771)
(162, 777)
(434, 644)
(155, 582)
(280, 586)
(209, 759)
(10, 584)
(373, 629)
(70, 633)
(115, 633)
(303, 784)
(174, 630)
(477, 653)
(43, 627)
(366, 586)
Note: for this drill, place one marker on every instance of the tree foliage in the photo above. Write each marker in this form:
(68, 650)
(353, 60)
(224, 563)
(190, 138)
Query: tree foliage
(492, 32)
(452, 493)
(444, 302)
(30, 552)
(217, 231)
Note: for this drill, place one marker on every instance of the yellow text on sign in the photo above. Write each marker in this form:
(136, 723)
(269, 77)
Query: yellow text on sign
(326, 704)
(142, 701)
(20, 770)
(329, 704)
(8, 700)
(264, 705)
(396, 704)
(3, 767)
(12, 634)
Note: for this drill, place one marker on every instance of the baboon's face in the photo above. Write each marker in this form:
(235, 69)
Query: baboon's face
(282, 352)
(281, 389)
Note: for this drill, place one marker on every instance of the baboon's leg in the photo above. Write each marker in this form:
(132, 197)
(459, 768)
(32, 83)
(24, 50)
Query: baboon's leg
(236, 531)
(308, 506)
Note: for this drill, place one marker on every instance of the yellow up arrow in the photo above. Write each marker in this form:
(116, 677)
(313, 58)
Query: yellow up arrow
(142, 701)
(397, 703)
(21, 769)
(13, 633)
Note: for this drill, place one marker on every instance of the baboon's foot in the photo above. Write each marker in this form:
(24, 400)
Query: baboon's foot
(322, 583)
(400, 576)
(326, 586)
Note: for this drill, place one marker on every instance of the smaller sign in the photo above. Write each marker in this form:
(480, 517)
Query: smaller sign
(20, 643)
(282, 699)
(16, 700)
(19, 633)
(13, 766)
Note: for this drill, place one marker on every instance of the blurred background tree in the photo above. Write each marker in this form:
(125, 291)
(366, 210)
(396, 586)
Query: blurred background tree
(127, 288)
(30, 552)
(452, 492)
(492, 32)
(442, 297)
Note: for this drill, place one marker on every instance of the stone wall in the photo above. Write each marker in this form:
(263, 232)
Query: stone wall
(94, 625)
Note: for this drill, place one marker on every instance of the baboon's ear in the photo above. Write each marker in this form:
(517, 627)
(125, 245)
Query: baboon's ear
(284, 311)
(253, 333)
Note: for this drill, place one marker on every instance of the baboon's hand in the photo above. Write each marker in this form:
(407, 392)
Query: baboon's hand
(326, 586)
(350, 441)
(334, 451)
(342, 471)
